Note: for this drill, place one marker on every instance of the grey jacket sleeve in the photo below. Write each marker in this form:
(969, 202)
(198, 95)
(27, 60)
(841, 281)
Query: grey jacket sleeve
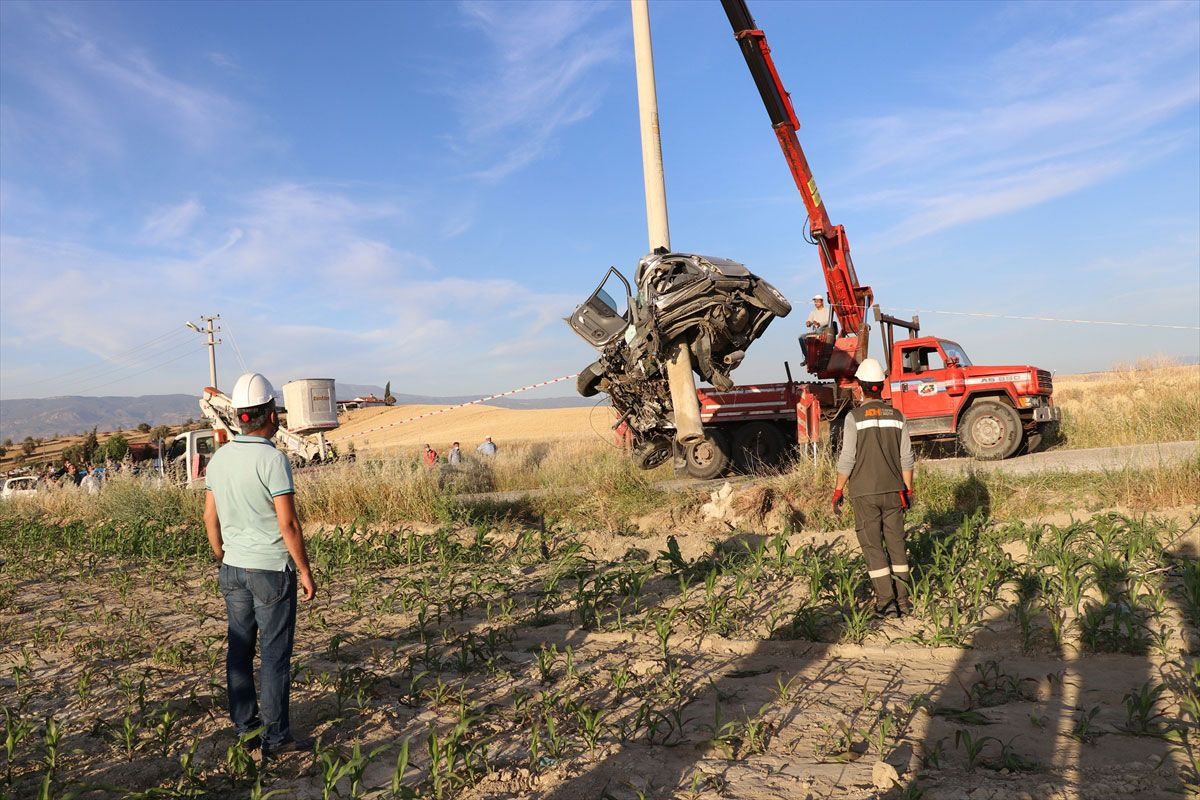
(907, 460)
(845, 462)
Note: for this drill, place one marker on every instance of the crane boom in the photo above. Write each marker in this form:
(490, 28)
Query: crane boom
(849, 299)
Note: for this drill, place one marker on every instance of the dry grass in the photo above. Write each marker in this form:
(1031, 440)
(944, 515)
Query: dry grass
(1152, 401)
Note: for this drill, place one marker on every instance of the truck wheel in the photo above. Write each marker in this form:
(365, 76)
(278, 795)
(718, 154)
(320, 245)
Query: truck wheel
(756, 445)
(588, 382)
(652, 453)
(771, 297)
(709, 457)
(990, 430)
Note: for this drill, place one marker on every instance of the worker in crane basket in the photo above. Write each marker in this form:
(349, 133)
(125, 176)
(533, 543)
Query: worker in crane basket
(255, 535)
(876, 461)
(818, 318)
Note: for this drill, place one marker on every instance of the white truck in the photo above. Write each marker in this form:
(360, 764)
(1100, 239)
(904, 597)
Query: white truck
(312, 408)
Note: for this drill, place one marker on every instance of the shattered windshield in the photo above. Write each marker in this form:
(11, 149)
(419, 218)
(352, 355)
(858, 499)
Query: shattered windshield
(955, 351)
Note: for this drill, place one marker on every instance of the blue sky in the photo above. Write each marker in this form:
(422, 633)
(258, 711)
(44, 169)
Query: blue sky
(418, 192)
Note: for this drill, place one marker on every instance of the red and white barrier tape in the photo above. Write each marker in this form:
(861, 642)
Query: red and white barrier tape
(464, 405)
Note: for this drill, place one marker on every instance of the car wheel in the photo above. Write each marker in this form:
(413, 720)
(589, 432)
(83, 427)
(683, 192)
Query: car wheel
(990, 430)
(772, 299)
(709, 457)
(652, 453)
(588, 381)
(757, 445)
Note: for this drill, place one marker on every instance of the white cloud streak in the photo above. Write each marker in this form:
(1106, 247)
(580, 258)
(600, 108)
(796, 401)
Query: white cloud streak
(544, 78)
(1045, 117)
(306, 289)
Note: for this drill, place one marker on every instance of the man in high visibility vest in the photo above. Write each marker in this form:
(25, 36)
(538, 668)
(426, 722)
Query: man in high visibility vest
(876, 461)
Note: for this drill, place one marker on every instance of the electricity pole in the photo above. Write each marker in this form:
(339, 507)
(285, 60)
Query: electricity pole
(685, 406)
(212, 344)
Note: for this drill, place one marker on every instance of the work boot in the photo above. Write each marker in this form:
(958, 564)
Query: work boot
(289, 746)
(881, 610)
(904, 606)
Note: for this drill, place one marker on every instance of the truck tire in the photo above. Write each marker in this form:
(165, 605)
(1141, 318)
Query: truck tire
(757, 445)
(652, 453)
(990, 430)
(709, 457)
(588, 381)
(772, 299)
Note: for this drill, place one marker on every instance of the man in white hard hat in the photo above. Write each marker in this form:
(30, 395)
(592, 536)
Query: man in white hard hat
(876, 461)
(250, 516)
(818, 318)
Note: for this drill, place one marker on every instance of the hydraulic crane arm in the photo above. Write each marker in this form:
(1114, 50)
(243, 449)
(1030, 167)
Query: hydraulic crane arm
(849, 299)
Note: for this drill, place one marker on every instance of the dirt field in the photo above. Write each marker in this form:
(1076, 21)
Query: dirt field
(564, 664)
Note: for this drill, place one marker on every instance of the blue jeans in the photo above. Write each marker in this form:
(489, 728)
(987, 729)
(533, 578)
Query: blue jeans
(262, 605)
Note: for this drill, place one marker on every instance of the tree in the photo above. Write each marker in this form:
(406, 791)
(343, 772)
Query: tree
(28, 446)
(8, 442)
(115, 448)
(143, 427)
(389, 399)
(3, 451)
(159, 432)
(91, 443)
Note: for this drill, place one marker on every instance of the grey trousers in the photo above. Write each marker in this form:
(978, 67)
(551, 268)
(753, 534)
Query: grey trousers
(879, 524)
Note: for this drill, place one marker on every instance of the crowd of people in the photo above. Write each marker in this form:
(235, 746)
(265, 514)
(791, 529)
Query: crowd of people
(454, 455)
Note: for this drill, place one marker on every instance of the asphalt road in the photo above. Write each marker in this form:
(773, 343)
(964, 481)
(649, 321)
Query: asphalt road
(1096, 459)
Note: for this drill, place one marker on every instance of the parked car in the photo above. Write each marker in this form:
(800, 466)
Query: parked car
(24, 485)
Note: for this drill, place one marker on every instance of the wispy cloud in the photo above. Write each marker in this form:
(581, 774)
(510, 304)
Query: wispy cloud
(1047, 116)
(86, 92)
(168, 224)
(544, 77)
(308, 289)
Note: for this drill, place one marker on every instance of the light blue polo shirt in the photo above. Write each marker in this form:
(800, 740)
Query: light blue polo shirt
(245, 476)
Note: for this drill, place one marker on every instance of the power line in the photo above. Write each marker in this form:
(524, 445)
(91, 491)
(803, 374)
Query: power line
(125, 357)
(990, 315)
(144, 371)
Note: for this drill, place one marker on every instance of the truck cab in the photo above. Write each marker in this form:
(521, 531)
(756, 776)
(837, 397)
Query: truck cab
(992, 411)
(188, 456)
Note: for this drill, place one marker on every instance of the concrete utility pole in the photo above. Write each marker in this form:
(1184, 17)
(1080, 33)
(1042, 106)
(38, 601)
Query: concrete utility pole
(212, 344)
(680, 377)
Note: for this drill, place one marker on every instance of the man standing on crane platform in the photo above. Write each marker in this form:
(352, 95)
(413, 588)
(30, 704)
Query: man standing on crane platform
(876, 461)
(255, 535)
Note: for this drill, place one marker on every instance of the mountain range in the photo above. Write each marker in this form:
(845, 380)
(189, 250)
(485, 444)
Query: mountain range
(48, 417)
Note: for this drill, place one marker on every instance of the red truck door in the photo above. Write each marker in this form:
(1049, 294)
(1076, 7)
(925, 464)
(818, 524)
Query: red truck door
(919, 384)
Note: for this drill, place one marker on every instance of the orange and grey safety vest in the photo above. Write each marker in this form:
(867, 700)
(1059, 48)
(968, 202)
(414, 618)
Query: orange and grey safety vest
(876, 449)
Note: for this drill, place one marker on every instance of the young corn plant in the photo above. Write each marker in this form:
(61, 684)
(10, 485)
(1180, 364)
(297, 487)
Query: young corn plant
(1143, 716)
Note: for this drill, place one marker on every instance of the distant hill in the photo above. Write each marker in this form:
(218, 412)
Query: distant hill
(47, 416)
(43, 417)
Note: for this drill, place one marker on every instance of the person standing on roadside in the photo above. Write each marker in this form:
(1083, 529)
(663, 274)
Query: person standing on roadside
(488, 448)
(454, 457)
(430, 457)
(255, 535)
(876, 461)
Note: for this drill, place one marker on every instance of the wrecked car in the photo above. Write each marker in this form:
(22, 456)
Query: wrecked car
(714, 306)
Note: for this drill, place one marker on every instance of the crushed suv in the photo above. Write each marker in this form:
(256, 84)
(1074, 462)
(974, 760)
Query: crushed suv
(714, 306)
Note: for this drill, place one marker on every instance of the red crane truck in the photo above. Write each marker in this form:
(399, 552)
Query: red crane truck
(993, 412)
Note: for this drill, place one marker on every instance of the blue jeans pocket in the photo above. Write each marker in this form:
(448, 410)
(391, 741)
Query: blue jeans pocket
(268, 587)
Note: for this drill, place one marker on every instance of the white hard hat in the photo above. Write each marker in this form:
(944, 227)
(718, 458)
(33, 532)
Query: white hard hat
(251, 390)
(869, 371)
(818, 297)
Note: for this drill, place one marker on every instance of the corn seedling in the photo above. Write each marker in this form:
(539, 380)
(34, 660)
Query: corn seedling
(1142, 714)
